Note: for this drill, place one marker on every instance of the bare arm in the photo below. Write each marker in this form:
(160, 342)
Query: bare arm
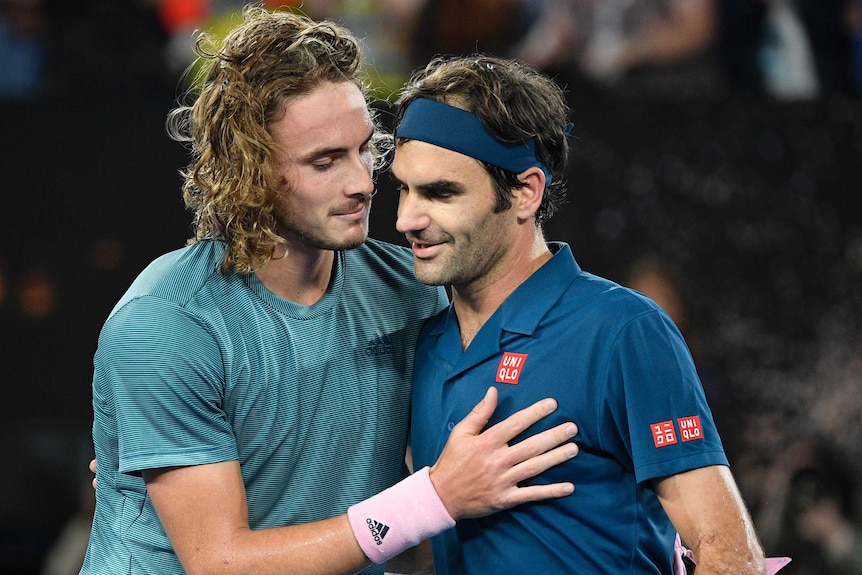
(707, 510)
(204, 511)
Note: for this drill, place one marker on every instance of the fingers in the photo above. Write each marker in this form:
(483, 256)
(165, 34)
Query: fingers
(479, 417)
(538, 464)
(479, 472)
(540, 443)
(518, 422)
(93, 469)
(532, 493)
(534, 466)
(505, 431)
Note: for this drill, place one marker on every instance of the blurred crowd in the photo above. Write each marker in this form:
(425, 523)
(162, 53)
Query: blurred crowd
(778, 49)
(736, 213)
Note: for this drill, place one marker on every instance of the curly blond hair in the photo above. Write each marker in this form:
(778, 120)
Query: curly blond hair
(232, 182)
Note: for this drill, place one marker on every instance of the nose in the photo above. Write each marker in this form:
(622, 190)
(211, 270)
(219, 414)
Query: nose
(411, 216)
(360, 181)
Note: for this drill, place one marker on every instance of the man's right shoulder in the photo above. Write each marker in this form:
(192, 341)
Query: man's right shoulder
(179, 275)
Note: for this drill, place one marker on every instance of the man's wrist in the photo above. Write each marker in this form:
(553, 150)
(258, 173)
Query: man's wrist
(399, 517)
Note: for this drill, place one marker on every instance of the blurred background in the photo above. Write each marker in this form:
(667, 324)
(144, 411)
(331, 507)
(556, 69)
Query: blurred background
(716, 166)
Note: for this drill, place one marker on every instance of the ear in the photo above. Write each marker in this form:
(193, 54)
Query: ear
(529, 197)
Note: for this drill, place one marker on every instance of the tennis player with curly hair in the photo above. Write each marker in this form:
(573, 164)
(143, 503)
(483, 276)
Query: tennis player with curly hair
(251, 390)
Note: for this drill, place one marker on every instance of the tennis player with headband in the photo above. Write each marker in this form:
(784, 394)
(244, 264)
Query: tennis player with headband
(240, 423)
(481, 150)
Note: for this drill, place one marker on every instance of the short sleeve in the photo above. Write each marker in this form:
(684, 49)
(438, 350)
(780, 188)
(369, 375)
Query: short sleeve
(658, 401)
(159, 370)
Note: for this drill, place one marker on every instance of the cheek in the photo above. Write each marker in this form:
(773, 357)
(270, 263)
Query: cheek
(470, 218)
(489, 232)
(287, 180)
(308, 187)
(295, 203)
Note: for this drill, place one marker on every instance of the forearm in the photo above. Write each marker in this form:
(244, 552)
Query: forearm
(707, 510)
(203, 511)
(770, 565)
(325, 547)
(730, 545)
(720, 557)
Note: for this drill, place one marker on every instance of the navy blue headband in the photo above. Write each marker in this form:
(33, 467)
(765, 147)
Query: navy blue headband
(461, 131)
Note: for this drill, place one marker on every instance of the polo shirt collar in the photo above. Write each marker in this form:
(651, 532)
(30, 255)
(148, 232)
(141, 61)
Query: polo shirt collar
(530, 302)
(520, 313)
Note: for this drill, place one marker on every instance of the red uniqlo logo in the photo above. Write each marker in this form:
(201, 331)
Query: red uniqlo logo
(689, 428)
(663, 433)
(510, 367)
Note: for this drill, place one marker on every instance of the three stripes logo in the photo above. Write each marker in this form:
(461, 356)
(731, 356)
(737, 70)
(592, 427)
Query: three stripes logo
(378, 530)
(380, 344)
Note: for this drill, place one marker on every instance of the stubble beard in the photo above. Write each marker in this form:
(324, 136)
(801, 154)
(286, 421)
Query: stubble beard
(317, 238)
(444, 270)
(465, 263)
(318, 241)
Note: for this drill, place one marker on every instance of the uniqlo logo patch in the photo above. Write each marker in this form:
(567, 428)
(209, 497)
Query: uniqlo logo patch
(511, 366)
(663, 433)
(689, 428)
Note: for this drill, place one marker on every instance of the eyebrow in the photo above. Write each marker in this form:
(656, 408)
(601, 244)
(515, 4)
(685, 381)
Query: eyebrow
(432, 186)
(332, 151)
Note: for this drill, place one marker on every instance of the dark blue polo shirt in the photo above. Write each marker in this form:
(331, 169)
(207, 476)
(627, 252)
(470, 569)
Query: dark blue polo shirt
(621, 371)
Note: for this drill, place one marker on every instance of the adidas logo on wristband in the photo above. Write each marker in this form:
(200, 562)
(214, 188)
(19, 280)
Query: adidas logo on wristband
(413, 513)
(378, 530)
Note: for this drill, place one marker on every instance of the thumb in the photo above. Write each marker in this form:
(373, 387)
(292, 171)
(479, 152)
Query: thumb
(480, 415)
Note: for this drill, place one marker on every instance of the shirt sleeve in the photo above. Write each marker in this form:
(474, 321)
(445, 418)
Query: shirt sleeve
(658, 402)
(159, 370)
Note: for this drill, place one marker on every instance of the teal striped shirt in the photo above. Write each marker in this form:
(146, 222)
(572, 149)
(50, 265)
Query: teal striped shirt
(197, 367)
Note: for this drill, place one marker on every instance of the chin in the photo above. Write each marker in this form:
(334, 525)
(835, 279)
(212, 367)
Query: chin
(352, 243)
(429, 277)
(350, 246)
(347, 241)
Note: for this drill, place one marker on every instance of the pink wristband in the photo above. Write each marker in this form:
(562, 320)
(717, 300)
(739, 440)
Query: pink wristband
(773, 564)
(399, 518)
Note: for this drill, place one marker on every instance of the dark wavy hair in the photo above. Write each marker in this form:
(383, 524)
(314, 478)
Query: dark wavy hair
(232, 182)
(514, 102)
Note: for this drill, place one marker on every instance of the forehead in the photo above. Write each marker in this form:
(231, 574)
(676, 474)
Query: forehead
(419, 162)
(330, 115)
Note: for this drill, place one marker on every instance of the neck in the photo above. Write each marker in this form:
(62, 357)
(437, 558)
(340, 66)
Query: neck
(301, 276)
(477, 301)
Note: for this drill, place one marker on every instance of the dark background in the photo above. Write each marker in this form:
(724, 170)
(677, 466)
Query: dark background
(754, 207)
(751, 204)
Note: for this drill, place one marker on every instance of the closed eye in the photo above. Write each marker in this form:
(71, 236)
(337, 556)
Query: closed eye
(323, 165)
(442, 190)
(439, 190)
(438, 193)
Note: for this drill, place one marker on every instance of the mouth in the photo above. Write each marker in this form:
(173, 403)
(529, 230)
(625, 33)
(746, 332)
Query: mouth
(353, 213)
(423, 249)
